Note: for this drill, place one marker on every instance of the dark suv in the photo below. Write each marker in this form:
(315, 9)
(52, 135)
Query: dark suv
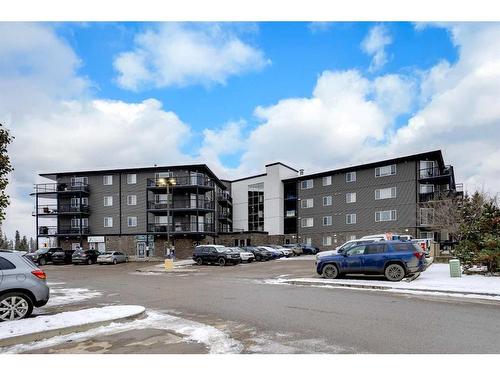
(62, 256)
(259, 253)
(215, 254)
(43, 256)
(393, 259)
(84, 256)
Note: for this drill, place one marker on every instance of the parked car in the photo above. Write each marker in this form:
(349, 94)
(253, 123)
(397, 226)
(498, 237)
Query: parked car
(297, 250)
(62, 256)
(112, 257)
(276, 253)
(260, 254)
(85, 256)
(346, 246)
(44, 255)
(246, 256)
(393, 259)
(388, 237)
(215, 254)
(286, 251)
(308, 249)
(22, 286)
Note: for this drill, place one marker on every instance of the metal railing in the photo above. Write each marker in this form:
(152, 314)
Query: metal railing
(181, 181)
(224, 215)
(182, 228)
(61, 187)
(435, 172)
(52, 209)
(225, 197)
(62, 230)
(182, 204)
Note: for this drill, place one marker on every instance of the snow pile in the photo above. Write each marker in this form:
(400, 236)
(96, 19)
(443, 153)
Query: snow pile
(66, 319)
(435, 279)
(64, 296)
(216, 340)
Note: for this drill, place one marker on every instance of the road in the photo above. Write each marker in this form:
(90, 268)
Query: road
(286, 318)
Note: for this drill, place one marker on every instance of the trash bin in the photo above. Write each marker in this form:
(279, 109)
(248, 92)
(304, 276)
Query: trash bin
(455, 269)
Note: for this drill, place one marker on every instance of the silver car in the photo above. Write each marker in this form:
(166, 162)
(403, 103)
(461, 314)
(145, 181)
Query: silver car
(112, 257)
(22, 286)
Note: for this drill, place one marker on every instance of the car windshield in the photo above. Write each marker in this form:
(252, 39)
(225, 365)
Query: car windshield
(42, 251)
(80, 251)
(107, 253)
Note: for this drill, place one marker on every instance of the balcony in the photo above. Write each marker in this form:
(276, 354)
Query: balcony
(225, 199)
(63, 209)
(224, 216)
(182, 205)
(290, 197)
(290, 214)
(62, 231)
(61, 188)
(436, 174)
(182, 228)
(199, 181)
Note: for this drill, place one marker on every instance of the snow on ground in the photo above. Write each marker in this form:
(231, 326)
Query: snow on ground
(216, 340)
(66, 319)
(64, 296)
(435, 279)
(301, 257)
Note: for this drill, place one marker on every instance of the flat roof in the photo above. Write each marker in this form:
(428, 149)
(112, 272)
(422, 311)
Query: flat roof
(435, 155)
(54, 175)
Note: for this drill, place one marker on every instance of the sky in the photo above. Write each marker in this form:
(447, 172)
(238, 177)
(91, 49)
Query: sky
(236, 96)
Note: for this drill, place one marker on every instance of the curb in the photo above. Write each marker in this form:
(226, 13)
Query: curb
(379, 287)
(38, 336)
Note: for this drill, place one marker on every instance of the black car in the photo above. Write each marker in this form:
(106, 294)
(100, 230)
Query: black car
(260, 254)
(215, 254)
(44, 255)
(62, 257)
(84, 256)
(308, 249)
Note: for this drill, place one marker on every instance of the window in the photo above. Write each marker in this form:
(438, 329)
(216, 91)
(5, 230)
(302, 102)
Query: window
(163, 220)
(308, 241)
(327, 180)
(428, 235)
(350, 177)
(427, 169)
(327, 220)
(256, 206)
(307, 203)
(327, 241)
(307, 222)
(375, 248)
(387, 170)
(107, 180)
(131, 178)
(356, 250)
(75, 202)
(389, 215)
(385, 193)
(132, 221)
(131, 200)
(350, 219)
(75, 223)
(327, 201)
(426, 188)
(350, 198)
(403, 247)
(108, 222)
(108, 201)
(79, 181)
(426, 216)
(351, 237)
(306, 184)
(164, 175)
(6, 265)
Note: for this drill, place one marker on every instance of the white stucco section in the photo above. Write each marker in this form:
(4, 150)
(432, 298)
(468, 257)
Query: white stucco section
(273, 198)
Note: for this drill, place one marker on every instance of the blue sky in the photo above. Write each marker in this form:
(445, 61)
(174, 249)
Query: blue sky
(298, 56)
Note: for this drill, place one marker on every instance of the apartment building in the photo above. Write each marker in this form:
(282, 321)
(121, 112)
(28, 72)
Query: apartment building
(139, 210)
(143, 210)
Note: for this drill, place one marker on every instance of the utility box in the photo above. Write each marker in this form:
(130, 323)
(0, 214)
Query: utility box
(169, 264)
(455, 269)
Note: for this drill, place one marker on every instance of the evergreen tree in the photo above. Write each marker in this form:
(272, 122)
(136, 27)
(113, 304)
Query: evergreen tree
(24, 244)
(3, 240)
(5, 169)
(17, 242)
(32, 246)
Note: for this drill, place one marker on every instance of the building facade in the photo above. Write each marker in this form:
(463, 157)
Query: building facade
(144, 210)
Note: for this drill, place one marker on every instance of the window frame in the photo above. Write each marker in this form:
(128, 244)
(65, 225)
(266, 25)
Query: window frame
(350, 195)
(329, 222)
(351, 174)
(391, 189)
(134, 179)
(107, 178)
(134, 200)
(386, 166)
(128, 221)
(327, 243)
(307, 200)
(328, 178)
(307, 221)
(351, 215)
(108, 219)
(111, 201)
(330, 199)
(392, 217)
(307, 184)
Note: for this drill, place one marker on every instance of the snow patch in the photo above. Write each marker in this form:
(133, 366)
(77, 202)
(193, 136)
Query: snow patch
(64, 296)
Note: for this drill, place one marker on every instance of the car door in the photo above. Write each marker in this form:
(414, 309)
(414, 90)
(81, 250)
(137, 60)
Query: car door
(352, 259)
(8, 274)
(374, 257)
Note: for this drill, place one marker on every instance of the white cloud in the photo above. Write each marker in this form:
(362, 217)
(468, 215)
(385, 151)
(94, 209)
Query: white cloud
(186, 54)
(374, 45)
(319, 27)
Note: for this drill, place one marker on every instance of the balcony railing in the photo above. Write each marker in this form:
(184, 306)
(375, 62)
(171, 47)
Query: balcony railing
(61, 188)
(435, 172)
(225, 198)
(62, 209)
(181, 181)
(224, 215)
(182, 204)
(290, 197)
(182, 228)
(62, 230)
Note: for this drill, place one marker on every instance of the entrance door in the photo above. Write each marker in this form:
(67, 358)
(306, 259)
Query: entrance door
(141, 249)
(101, 247)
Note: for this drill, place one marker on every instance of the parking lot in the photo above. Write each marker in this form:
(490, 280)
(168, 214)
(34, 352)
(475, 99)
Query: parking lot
(234, 309)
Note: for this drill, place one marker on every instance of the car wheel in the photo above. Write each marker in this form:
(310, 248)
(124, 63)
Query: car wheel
(222, 262)
(258, 258)
(250, 260)
(330, 271)
(15, 306)
(42, 262)
(115, 261)
(199, 261)
(89, 262)
(394, 272)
